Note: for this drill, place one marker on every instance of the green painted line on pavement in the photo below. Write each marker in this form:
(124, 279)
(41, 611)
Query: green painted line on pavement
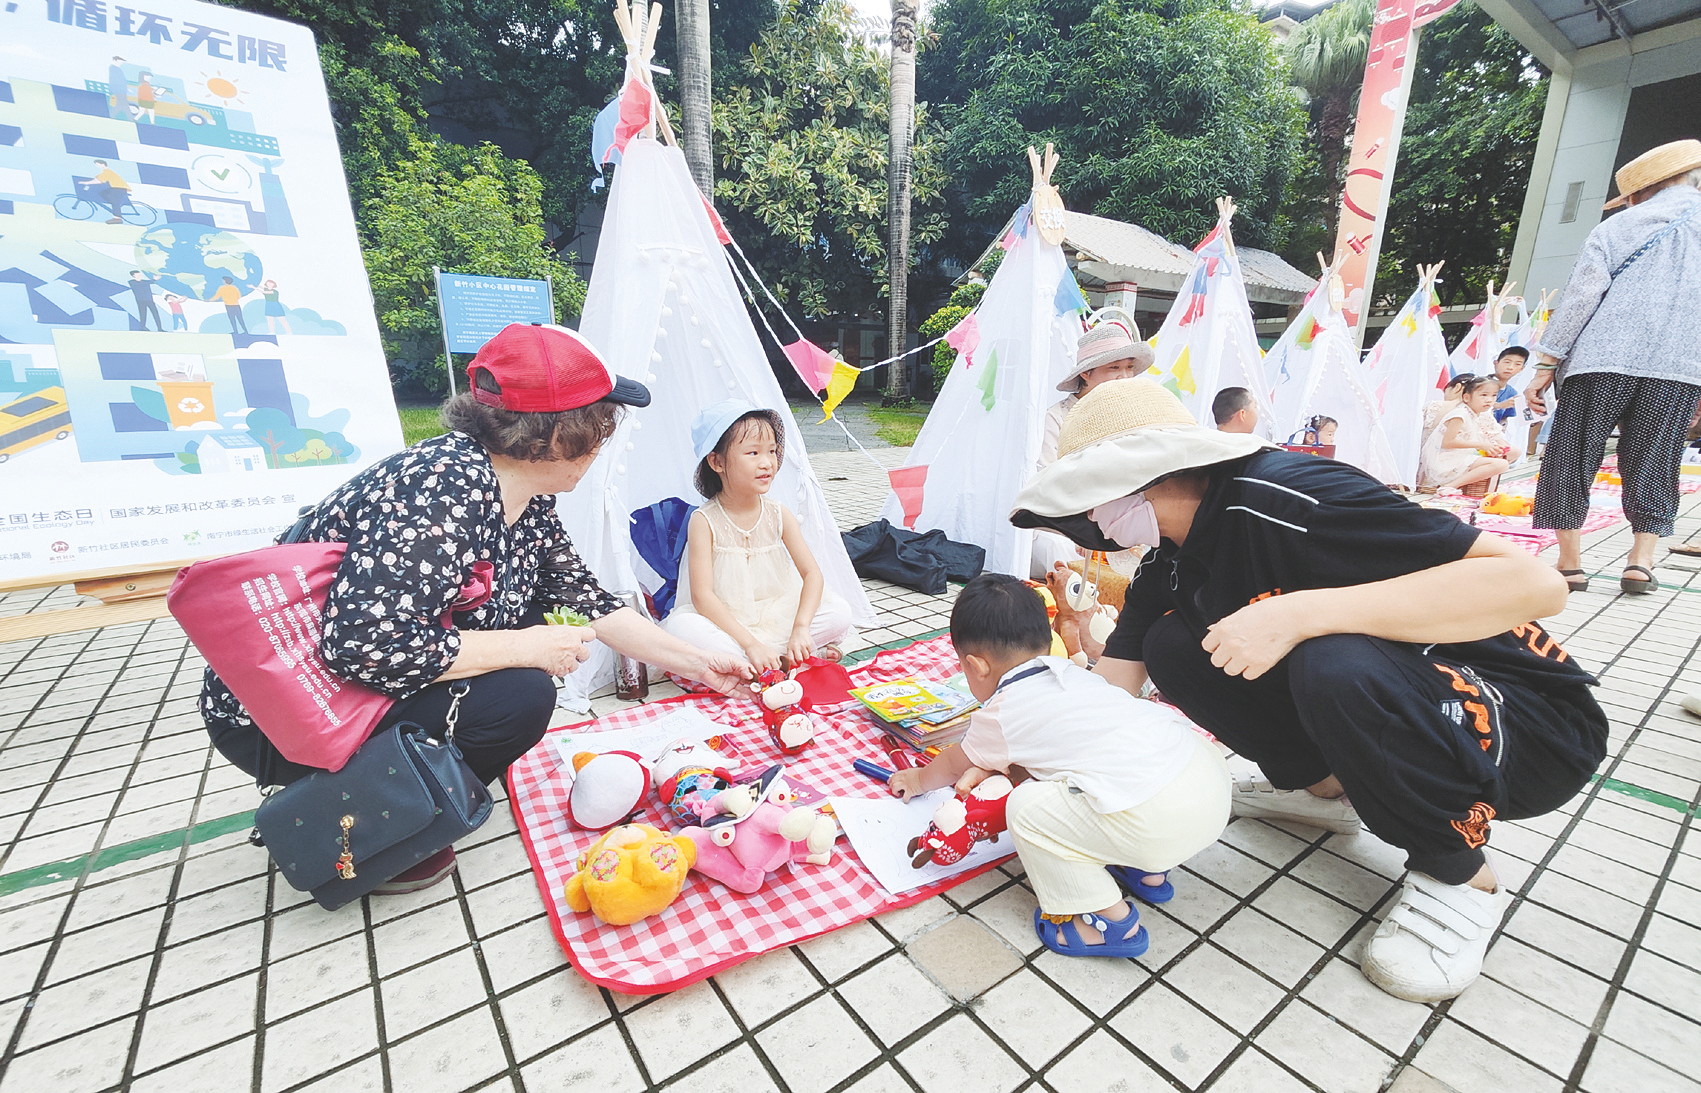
(875, 650)
(1652, 796)
(110, 856)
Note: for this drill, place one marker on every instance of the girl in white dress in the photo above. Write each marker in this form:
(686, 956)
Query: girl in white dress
(750, 585)
(1453, 451)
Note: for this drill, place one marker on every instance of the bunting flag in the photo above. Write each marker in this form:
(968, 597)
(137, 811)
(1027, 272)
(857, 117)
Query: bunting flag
(1068, 296)
(965, 338)
(843, 379)
(814, 365)
(618, 122)
(1207, 341)
(989, 382)
(721, 233)
(1308, 332)
(1434, 302)
(908, 484)
(1023, 215)
(1477, 352)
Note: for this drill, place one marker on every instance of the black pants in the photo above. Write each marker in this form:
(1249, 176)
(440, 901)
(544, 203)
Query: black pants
(1652, 417)
(1425, 758)
(503, 715)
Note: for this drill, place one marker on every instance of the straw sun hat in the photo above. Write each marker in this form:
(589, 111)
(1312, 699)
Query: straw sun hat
(1654, 166)
(1120, 439)
(1106, 343)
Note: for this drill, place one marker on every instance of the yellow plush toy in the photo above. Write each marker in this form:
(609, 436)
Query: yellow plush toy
(629, 874)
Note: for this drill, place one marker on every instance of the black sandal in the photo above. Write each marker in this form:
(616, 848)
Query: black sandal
(1638, 586)
(1575, 585)
(1692, 550)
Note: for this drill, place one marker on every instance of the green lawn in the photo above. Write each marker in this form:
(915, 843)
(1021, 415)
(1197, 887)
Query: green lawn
(419, 423)
(897, 427)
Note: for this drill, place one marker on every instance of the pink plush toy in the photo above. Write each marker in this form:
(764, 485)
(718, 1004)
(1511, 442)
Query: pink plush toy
(961, 822)
(742, 832)
(607, 787)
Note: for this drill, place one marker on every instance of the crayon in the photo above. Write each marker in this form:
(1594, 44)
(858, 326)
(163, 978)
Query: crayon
(873, 770)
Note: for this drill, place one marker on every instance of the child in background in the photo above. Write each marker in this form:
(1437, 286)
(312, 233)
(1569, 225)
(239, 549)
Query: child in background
(1118, 791)
(750, 585)
(1450, 396)
(1453, 452)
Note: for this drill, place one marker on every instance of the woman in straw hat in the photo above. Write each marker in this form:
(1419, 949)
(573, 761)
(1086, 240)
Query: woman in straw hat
(1289, 607)
(1109, 351)
(1628, 333)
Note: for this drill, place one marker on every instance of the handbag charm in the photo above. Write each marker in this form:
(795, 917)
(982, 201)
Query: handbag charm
(345, 860)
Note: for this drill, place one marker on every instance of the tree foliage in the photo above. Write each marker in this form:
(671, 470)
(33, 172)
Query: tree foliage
(1326, 56)
(802, 160)
(1471, 129)
(1156, 106)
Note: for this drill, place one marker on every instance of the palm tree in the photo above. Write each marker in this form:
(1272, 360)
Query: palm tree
(697, 133)
(1326, 55)
(901, 130)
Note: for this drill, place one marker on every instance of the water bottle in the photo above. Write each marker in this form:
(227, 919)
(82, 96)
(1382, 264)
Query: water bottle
(631, 675)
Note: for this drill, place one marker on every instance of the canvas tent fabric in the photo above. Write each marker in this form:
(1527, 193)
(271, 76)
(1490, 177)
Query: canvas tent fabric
(662, 307)
(981, 440)
(1317, 372)
(1208, 341)
(1401, 372)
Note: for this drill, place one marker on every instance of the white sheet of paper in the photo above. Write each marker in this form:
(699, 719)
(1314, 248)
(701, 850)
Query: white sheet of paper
(648, 740)
(880, 830)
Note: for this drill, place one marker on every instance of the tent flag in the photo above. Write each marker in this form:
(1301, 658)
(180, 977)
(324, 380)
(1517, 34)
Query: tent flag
(1308, 332)
(1023, 216)
(1207, 341)
(983, 435)
(1068, 296)
(636, 104)
(965, 338)
(908, 484)
(814, 365)
(1478, 349)
(1410, 351)
(602, 134)
(844, 378)
(664, 310)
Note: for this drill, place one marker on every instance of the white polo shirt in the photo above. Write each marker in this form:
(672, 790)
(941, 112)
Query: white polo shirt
(1062, 723)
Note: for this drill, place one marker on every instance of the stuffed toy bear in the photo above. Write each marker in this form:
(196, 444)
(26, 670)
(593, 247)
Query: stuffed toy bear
(1080, 622)
(630, 873)
(961, 822)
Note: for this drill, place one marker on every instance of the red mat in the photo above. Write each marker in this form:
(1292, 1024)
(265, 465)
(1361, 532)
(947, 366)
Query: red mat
(710, 928)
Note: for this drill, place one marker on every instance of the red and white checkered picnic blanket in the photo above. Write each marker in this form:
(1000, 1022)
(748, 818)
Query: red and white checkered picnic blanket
(709, 928)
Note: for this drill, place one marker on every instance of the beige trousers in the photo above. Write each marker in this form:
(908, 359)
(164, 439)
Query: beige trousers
(1065, 843)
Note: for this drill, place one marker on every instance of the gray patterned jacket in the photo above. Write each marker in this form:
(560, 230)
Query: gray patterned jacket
(1647, 323)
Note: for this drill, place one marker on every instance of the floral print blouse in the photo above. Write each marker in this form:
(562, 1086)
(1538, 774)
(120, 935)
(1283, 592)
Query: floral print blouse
(415, 523)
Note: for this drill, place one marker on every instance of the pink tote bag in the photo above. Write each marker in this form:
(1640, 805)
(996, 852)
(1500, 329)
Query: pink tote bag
(256, 618)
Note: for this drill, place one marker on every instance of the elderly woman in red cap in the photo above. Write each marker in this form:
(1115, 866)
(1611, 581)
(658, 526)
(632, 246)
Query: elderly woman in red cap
(1287, 604)
(540, 403)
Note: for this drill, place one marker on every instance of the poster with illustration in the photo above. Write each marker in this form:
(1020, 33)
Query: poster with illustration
(188, 351)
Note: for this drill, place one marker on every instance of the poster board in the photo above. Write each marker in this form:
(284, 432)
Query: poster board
(476, 308)
(188, 350)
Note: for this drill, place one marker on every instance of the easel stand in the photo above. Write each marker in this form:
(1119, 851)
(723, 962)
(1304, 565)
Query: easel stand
(125, 596)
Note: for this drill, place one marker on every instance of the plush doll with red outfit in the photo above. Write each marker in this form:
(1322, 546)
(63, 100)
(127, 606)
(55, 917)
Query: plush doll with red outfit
(782, 700)
(961, 822)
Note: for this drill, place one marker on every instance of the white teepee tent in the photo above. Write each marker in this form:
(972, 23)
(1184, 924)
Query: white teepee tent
(662, 307)
(1401, 372)
(1525, 335)
(1318, 373)
(1475, 353)
(1208, 341)
(981, 440)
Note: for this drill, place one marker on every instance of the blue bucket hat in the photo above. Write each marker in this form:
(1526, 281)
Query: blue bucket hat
(712, 422)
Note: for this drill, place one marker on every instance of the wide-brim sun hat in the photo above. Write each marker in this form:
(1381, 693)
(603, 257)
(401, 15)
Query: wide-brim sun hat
(1655, 165)
(1121, 438)
(542, 369)
(1106, 343)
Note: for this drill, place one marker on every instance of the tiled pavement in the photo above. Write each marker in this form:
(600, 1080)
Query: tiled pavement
(145, 945)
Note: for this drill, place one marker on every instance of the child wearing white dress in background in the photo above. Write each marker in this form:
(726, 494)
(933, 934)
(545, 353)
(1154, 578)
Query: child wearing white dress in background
(750, 585)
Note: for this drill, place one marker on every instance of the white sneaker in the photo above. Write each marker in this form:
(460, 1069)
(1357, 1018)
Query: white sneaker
(1253, 796)
(1431, 945)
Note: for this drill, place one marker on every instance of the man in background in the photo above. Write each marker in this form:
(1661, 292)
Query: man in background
(1234, 411)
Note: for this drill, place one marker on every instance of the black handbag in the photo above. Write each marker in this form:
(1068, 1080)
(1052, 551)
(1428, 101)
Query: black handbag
(401, 798)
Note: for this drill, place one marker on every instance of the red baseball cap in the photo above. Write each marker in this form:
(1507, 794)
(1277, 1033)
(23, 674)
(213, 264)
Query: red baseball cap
(546, 369)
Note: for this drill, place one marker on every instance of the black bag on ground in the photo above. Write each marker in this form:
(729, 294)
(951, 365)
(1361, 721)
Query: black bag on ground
(922, 561)
(400, 799)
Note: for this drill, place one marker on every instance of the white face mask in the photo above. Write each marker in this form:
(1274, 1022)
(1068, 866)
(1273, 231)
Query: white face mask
(1130, 521)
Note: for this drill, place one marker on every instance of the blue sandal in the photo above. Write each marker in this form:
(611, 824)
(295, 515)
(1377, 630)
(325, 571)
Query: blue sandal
(1132, 880)
(1130, 944)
